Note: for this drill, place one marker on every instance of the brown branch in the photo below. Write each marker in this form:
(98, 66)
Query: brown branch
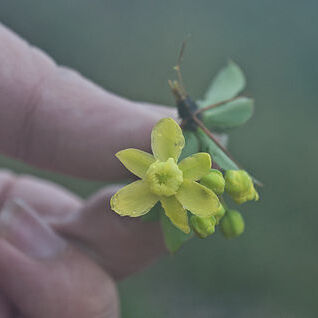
(209, 134)
(201, 110)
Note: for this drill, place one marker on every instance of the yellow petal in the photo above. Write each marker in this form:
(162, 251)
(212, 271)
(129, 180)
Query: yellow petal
(196, 166)
(198, 199)
(134, 199)
(167, 140)
(176, 213)
(136, 161)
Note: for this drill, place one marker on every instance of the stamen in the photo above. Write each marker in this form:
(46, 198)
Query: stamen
(164, 178)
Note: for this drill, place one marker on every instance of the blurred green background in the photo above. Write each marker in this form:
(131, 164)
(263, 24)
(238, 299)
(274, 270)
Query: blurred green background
(129, 47)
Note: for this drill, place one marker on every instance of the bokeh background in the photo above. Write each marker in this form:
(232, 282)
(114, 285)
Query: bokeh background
(129, 47)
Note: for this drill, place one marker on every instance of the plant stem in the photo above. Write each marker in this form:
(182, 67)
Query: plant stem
(201, 110)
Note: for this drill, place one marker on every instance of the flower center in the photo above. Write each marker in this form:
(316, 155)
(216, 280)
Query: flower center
(164, 178)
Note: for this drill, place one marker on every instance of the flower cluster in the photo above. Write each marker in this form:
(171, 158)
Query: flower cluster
(189, 185)
(239, 186)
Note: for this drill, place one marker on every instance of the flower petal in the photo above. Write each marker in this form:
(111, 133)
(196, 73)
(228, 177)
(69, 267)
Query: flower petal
(198, 199)
(136, 161)
(196, 166)
(167, 140)
(176, 213)
(133, 200)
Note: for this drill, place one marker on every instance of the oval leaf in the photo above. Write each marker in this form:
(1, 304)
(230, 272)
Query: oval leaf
(173, 237)
(154, 214)
(191, 144)
(217, 154)
(229, 115)
(227, 84)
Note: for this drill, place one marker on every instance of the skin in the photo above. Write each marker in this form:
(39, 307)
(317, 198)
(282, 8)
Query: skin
(60, 256)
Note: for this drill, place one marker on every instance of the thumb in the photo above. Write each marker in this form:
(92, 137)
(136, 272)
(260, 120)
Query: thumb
(44, 277)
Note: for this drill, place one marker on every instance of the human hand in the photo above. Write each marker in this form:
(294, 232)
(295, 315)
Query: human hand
(42, 275)
(54, 119)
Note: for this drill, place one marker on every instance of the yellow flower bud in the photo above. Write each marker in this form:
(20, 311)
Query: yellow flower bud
(214, 180)
(232, 224)
(219, 214)
(203, 226)
(239, 185)
(251, 195)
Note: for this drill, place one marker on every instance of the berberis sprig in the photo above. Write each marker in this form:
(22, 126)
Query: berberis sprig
(178, 184)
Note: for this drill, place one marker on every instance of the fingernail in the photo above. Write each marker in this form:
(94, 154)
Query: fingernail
(22, 227)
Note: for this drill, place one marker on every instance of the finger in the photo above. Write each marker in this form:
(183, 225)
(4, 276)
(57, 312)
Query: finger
(5, 307)
(55, 202)
(44, 277)
(122, 245)
(55, 119)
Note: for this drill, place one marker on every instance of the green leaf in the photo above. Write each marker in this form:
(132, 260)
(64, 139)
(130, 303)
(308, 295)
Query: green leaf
(217, 154)
(154, 214)
(229, 115)
(174, 238)
(192, 144)
(227, 84)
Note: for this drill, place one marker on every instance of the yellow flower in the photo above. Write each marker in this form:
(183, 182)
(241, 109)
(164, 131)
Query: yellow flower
(164, 180)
